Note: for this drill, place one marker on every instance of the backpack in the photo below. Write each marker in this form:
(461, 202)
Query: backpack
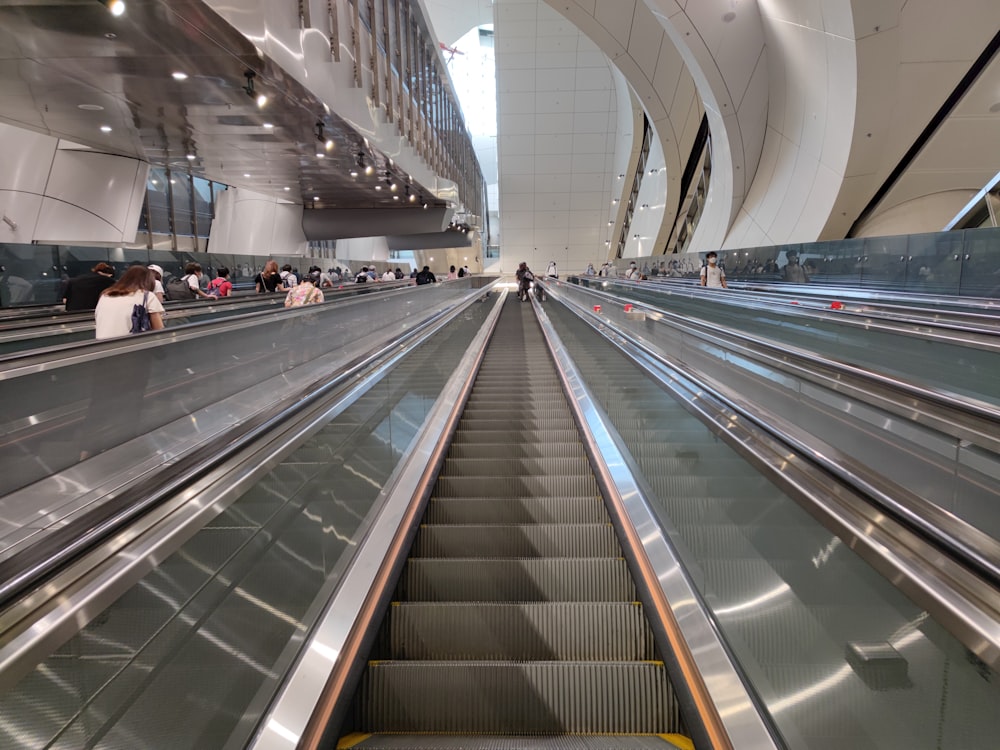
(140, 316)
(177, 288)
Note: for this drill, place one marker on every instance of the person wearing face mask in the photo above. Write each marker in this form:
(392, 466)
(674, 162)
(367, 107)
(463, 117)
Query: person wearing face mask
(712, 274)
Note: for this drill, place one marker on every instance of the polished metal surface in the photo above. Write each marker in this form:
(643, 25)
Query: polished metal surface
(957, 597)
(730, 715)
(293, 709)
(70, 67)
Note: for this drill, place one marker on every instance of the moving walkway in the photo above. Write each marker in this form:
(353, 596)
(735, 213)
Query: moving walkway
(247, 599)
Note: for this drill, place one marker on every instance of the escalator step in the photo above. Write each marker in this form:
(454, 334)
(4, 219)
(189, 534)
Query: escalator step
(527, 580)
(513, 421)
(506, 742)
(534, 540)
(518, 486)
(518, 450)
(502, 465)
(516, 510)
(499, 697)
(546, 435)
(543, 631)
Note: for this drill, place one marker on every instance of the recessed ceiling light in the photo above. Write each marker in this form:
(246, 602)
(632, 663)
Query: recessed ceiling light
(117, 7)
(261, 100)
(287, 188)
(105, 128)
(191, 157)
(90, 107)
(395, 197)
(246, 174)
(179, 75)
(354, 173)
(320, 155)
(267, 125)
(154, 182)
(315, 197)
(173, 182)
(378, 187)
(328, 145)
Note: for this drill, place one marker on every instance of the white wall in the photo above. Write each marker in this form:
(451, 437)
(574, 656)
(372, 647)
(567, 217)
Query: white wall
(558, 114)
(59, 192)
(250, 223)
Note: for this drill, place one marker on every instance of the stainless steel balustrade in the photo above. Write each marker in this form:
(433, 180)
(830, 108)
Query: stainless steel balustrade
(947, 359)
(199, 642)
(834, 651)
(941, 451)
(65, 328)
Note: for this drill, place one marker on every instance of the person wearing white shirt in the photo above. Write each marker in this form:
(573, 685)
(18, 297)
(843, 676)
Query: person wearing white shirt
(712, 274)
(113, 315)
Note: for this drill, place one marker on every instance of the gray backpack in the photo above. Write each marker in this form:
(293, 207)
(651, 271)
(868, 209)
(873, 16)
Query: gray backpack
(177, 288)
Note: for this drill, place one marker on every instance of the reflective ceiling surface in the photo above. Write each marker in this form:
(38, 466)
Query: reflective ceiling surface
(69, 68)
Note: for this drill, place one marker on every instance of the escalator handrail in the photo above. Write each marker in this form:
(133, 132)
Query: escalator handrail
(965, 409)
(920, 556)
(701, 662)
(35, 360)
(982, 338)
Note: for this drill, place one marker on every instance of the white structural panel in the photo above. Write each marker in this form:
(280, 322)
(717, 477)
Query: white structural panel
(251, 223)
(59, 192)
(557, 137)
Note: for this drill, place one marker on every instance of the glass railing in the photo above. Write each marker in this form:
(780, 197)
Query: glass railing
(190, 655)
(837, 655)
(963, 263)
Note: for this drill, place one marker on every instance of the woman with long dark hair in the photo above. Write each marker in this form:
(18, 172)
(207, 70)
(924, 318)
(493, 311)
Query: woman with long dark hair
(113, 315)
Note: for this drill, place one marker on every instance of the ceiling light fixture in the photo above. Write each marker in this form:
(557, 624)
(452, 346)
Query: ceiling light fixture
(287, 188)
(320, 155)
(105, 128)
(117, 7)
(268, 126)
(378, 187)
(329, 144)
(179, 75)
(191, 157)
(246, 174)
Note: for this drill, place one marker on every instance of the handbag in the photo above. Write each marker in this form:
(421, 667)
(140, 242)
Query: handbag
(140, 316)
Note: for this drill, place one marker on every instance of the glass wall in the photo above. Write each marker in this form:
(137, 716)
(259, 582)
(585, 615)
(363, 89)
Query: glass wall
(964, 263)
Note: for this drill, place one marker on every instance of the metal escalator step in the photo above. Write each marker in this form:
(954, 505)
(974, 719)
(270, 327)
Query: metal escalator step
(546, 411)
(506, 697)
(550, 631)
(532, 540)
(524, 486)
(516, 450)
(462, 510)
(525, 580)
(507, 742)
(547, 435)
(516, 421)
(503, 465)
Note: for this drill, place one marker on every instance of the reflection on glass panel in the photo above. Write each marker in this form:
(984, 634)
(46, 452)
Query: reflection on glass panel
(157, 196)
(202, 193)
(180, 186)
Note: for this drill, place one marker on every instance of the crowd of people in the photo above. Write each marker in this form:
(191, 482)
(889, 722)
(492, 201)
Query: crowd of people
(117, 302)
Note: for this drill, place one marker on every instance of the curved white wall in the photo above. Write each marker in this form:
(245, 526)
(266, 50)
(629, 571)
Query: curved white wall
(59, 192)
(250, 223)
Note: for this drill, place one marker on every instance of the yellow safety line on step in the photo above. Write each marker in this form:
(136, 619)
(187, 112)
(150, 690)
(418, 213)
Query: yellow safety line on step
(351, 740)
(679, 740)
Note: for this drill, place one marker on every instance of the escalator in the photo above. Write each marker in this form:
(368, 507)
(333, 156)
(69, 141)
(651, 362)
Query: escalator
(515, 622)
(515, 612)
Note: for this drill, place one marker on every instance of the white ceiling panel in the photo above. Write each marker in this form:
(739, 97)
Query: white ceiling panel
(510, 61)
(590, 57)
(590, 202)
(511, 145)
(514, 45)
(593, 101)
(518, 219)
(525, 237)
(554, 163)
(590, 143)
(593, 79)
(589, 182)
(552, 219)
(590, 123)
(553, 59)
(549, 238)
(559, 79)
(554, 102)
(517, 202)
(519, 103)
(519, 165)
(516, 183)
(591, 162)
(550, 183)
(552, 202)
(517, 30)
(553, 143)
(512, 11)
(516, 124)
(554, 123)
(514, 80)
(557, 26)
